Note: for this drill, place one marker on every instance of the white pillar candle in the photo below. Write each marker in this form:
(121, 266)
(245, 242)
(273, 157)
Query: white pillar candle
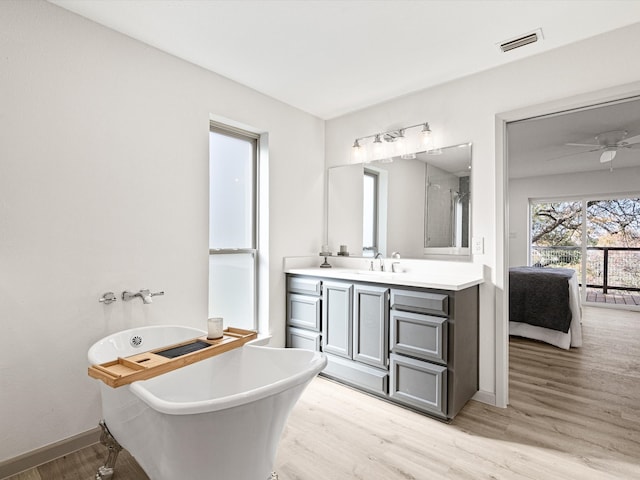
(214, 328)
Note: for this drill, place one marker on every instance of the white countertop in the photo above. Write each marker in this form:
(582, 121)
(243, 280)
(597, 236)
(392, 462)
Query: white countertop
(451, 280)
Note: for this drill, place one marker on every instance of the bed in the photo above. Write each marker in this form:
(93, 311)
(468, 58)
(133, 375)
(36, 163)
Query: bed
(544, 305)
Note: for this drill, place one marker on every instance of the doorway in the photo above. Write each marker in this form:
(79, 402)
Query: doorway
(539, 133)
(573, 196)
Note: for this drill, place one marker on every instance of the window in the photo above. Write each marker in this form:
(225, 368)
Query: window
(597, 237)
(370, 214)
(556, 234)
(233, 254)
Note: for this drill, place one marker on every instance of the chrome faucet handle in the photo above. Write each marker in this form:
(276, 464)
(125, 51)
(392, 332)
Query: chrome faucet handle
(156, 294)
(107, 298)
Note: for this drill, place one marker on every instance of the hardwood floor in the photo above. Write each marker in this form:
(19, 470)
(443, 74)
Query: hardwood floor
(573, 415)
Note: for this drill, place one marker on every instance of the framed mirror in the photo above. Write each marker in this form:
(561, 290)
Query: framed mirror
(417, 207)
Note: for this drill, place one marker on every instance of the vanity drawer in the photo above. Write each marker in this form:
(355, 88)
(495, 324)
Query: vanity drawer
(420, 302)
(419, 384)
(421, 336)
(299, 338)
(304, 311)
(357, 374)
(309, 286)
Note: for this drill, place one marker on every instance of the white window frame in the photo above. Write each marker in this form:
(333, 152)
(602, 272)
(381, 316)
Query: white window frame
(227, 130)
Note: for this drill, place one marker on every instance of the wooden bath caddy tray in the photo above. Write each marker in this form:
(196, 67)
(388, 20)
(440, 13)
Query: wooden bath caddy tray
(143, 366)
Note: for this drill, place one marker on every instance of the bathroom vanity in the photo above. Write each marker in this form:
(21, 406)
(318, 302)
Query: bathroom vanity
(409, 339)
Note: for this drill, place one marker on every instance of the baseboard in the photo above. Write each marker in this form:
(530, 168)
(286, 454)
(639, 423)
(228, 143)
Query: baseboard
(47, 453)
(485, 397)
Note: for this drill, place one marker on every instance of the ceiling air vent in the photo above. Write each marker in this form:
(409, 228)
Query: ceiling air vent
(521, 41)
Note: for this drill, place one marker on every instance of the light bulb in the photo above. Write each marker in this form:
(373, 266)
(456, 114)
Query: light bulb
(400, 144)
(357, 152)
(425, 137)
(378, 148)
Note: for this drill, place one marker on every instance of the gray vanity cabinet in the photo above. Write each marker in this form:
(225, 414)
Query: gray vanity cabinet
(337, 319)
(414, 346)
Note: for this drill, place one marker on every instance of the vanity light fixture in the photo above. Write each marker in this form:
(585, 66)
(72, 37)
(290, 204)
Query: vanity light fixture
(392, 143)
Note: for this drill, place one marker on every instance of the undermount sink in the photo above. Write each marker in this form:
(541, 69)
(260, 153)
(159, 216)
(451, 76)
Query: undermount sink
(375, 273)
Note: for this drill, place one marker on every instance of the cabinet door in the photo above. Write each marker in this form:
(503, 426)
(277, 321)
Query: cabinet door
(370, 325)
(420, 302)
(336, 318)
(299, 338)
(422, 336)
(373, 380)
(420, 384)
(303, 311)
(303, 285)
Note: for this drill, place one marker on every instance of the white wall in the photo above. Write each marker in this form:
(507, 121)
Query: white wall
(469, 110)
(592, 184)
(104, 187)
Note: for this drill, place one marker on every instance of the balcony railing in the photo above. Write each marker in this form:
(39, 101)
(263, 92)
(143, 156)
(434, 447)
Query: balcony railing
(608, 268)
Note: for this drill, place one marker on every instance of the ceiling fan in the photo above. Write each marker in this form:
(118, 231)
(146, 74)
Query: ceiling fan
(609, 143)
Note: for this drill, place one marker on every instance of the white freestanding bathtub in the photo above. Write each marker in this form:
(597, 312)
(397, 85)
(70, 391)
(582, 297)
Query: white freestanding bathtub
(217, 419)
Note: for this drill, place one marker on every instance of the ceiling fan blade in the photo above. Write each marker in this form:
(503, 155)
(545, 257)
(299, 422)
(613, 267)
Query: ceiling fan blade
(634, 139)
(574, 154)
(582, 144)
(625, 145)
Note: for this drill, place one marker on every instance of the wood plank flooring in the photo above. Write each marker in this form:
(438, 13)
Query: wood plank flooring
(573, 415)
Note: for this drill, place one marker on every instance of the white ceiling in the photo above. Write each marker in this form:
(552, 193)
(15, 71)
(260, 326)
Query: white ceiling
(331, 57)
(538, 146)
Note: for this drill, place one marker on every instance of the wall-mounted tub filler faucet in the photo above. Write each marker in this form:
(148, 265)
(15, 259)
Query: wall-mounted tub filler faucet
(145, 295)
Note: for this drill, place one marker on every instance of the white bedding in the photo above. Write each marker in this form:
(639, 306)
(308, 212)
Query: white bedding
(573, 338)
